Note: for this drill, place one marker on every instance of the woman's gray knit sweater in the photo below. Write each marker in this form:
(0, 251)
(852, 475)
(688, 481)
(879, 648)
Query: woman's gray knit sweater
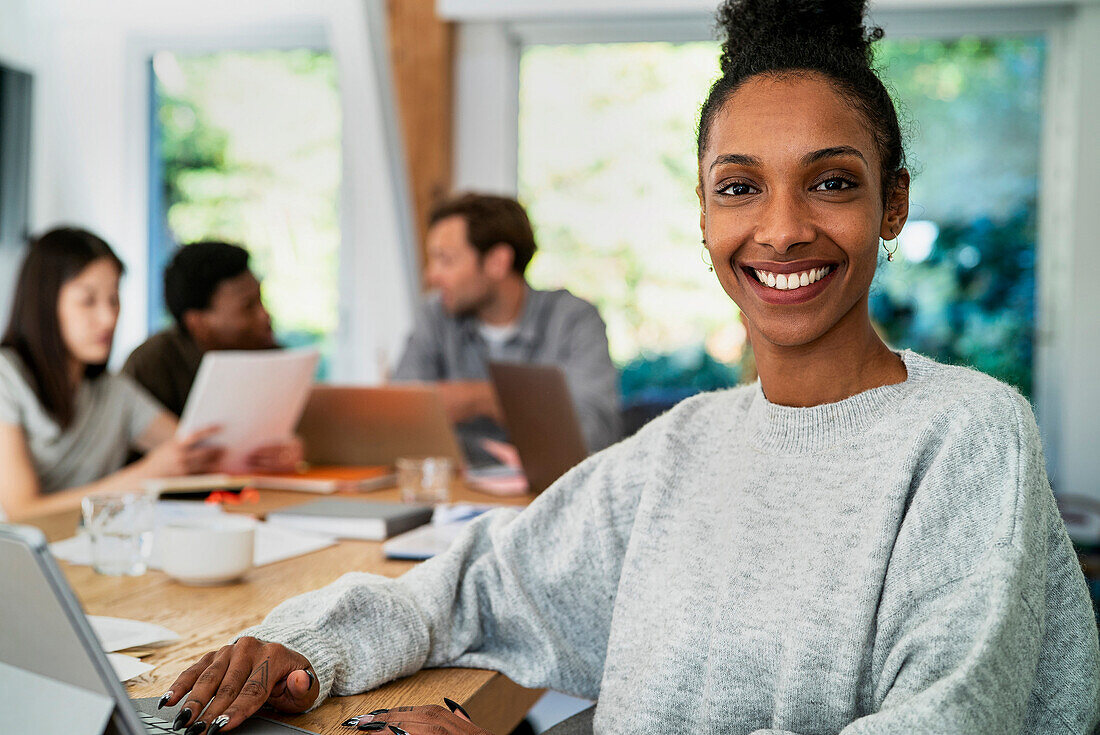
(891, 563)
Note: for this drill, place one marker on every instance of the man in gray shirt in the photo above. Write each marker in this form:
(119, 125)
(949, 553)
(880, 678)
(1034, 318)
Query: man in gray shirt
(478, 250)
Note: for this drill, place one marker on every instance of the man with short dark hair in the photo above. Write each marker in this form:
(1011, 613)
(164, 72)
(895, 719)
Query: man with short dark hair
(478, 250)
(215, 304)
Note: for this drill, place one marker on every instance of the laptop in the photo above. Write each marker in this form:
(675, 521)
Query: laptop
(346, 425)
(541, 420)
(54, 676)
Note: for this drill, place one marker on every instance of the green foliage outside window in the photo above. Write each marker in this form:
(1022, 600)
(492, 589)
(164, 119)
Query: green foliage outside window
(607, 169)
(250, 153)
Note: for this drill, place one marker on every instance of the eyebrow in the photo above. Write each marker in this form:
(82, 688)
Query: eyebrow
(834, 152)
(740, 159)
(737, 159)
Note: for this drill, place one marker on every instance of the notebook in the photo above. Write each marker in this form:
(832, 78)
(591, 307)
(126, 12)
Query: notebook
(327, 479)
(352, 519)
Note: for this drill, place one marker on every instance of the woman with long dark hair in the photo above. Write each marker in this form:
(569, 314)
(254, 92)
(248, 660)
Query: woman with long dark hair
(66, 424)
(862, 542)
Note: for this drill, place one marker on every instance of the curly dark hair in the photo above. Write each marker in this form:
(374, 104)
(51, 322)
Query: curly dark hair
(780, 37)
(196, 271)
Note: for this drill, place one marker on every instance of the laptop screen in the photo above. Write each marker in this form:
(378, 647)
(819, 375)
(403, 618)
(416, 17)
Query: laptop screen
(46, 642)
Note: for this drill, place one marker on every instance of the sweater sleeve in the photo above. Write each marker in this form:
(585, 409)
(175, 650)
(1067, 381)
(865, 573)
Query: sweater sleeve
(985, 625)
(528, 594)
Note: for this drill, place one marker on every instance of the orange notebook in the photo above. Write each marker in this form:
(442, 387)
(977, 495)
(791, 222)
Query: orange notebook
(328, 479)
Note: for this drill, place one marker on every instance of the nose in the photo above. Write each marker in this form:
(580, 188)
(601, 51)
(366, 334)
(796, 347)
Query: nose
(107, 315)
(784, 222)
(431, 275)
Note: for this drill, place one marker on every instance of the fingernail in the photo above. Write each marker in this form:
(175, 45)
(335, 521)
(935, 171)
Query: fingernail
(372, 726)
(164, 700)
(453, 705)
(378, 712)
(196, 729)
(397, 730)
(351, 721)
(217, 725)
(312, 678)
(181, 719)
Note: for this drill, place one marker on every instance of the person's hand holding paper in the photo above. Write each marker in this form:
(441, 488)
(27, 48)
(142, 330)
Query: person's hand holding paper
(256, 397)
(191, 453)
(284, 456)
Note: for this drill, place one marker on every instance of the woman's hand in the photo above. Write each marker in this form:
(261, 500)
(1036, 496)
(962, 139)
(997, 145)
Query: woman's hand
(183, 455)
(426, 720)
(235, 681)
(280, 457)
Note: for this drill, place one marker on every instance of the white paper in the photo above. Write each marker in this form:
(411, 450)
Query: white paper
(117, 634)
(275, 543)
(256, 397)
(128, 667)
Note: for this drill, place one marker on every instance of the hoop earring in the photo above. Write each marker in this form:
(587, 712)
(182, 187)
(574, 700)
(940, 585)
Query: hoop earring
(703, 257)
(889, 252)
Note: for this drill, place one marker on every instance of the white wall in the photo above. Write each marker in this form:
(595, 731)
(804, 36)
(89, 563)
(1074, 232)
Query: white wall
(1075, 384)
(16, 50)
(91, 143)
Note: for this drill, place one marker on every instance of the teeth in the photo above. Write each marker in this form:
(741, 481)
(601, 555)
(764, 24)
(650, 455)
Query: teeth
(789, 282)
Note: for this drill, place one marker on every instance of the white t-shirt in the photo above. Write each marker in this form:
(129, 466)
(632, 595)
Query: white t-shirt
(497, 336)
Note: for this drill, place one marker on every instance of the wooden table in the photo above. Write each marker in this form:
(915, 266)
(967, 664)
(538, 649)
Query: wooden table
(207, 617)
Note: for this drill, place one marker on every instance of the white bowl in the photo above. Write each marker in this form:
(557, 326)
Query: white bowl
(205, 551)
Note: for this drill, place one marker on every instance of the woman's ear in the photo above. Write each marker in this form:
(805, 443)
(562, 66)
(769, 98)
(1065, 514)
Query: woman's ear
(702, 210)
(897, 207)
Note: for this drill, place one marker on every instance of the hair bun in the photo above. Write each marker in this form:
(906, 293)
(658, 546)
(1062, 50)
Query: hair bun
(834, 26)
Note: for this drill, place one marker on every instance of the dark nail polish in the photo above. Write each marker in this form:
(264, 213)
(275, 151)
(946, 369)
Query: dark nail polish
(455, 706)
(181, 719)
(196, 729)
(397, 730)
(164, 700)
(372, 726)
(378, 712)
(312, 678)
(350, 722)
(216, 726)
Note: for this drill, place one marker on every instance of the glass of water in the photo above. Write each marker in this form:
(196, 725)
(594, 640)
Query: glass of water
(120, 526)
(424, 479)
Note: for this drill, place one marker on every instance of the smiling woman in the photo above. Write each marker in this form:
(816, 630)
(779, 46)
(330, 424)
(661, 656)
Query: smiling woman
(863, 543)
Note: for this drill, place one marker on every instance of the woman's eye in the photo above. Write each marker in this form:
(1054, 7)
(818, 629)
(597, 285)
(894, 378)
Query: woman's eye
(836, 183)
(737, 189)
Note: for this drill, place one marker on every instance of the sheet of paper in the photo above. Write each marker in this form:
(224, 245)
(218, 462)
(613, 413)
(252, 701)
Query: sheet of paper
(117, 634)
(128, 667)
(274, 543)
(256, 397)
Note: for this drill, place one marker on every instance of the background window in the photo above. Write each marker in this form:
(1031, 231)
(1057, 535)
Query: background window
(246, 148)
(607, 168)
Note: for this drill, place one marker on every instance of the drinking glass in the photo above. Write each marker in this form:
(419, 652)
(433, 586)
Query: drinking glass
(424, 479)
(120, 526)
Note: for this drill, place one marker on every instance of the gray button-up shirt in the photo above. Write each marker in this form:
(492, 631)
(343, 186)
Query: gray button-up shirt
(555, 328)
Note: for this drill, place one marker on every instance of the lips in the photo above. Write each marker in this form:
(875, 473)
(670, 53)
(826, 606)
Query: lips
(789, 283)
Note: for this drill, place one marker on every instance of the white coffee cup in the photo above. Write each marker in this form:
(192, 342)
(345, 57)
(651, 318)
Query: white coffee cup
(206, 551)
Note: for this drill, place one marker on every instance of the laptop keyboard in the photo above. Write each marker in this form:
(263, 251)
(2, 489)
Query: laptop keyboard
(155, 725)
